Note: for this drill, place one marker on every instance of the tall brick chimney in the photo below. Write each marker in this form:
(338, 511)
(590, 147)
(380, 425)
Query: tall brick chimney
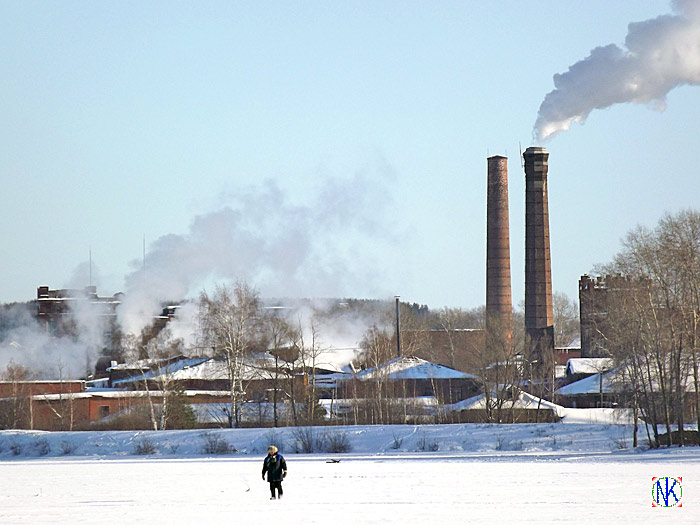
(539, 318)
(499, 304)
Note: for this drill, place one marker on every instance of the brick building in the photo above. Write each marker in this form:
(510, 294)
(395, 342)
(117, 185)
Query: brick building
(57, 309)
(410, 377)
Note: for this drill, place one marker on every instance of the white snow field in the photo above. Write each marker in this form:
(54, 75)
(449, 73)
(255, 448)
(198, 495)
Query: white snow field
(476, 474)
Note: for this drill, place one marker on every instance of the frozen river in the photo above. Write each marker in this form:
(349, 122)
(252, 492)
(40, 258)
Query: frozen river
(428, 489)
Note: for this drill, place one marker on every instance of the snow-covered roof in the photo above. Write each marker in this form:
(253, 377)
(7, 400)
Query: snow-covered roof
(613, 381)
(196, 368)
(154, 370)
(119, 394)
(206, 368)
(411, 367)
(523, 400)
(588, 365)
(592, 384)
(210, 369)
(330, 381)
(145, 364)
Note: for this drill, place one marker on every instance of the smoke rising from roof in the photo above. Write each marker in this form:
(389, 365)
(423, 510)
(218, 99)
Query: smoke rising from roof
(23, 342)
(658, 56)
(321, 248)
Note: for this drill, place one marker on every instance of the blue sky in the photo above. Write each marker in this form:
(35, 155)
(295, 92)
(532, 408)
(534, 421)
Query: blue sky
(314, 148)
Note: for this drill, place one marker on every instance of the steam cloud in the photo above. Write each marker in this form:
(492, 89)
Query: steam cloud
(661, 54)
(321, 248)
(24, 343)
(284, 249)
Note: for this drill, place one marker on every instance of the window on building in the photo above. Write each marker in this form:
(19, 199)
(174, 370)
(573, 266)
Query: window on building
(104, 410)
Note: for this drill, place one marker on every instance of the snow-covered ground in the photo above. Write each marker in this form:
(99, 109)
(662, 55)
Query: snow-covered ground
(473, 473)
(360, 489)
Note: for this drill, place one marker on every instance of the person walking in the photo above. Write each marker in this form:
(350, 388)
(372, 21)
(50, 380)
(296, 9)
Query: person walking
(276, 468)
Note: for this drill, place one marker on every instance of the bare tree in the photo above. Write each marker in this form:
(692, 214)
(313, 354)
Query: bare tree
(65, 410)
(566, 320)
(414, 325)
(17, 411)
(501, 366)
(230, 328)
(161, 351)
(153, 353)
(376, 351)
(134, 352)
(281, 338)
(309, 349)
(657, 291)
(451, 320)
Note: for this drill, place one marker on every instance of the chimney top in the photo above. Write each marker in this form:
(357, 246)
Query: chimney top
(535, 150)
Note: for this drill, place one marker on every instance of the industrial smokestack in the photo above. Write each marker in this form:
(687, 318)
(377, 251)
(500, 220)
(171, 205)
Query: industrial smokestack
(539, 318)
(499, 304)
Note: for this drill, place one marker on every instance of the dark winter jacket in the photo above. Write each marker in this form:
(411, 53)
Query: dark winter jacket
(275, 466)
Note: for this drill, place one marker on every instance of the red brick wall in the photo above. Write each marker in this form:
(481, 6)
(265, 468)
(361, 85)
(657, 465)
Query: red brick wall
(564, 354)
(33, 388)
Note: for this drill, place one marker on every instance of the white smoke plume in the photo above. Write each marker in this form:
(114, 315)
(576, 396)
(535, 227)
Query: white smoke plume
(23, 342)
(282, 248)
(336, 327)
(184, 325)
(658, 56)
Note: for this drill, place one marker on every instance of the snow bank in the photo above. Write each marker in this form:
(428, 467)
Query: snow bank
(467, 439)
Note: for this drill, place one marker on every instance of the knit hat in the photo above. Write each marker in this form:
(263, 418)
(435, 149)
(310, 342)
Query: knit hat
(272, 449)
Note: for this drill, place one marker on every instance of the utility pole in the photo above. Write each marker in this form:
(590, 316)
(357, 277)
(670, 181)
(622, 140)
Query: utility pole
(398, 328)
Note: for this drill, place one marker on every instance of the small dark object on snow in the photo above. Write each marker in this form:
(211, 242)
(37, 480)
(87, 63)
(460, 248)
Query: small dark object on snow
(333, 461)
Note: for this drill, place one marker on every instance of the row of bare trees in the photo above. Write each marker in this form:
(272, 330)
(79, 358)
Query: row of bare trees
(651, 321)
